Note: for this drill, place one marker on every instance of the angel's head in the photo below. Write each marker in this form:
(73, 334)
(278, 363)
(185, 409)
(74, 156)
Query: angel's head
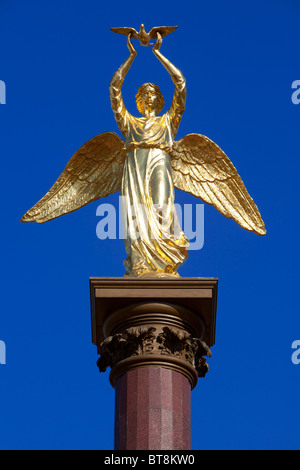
(149, 98)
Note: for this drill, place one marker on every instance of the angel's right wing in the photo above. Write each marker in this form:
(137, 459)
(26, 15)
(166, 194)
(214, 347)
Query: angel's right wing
(94, 171)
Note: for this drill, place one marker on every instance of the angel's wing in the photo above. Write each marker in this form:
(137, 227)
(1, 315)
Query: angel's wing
(201, 168)
(126, 31)
(94, 171)
(162, 30)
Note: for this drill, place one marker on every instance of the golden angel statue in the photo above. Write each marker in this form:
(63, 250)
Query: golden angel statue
(146, 166)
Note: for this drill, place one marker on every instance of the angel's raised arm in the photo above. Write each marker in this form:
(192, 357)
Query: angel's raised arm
(116, 83)
(179, 98)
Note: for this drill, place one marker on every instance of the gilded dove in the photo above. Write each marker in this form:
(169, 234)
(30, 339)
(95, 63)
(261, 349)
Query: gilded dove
(144, 37)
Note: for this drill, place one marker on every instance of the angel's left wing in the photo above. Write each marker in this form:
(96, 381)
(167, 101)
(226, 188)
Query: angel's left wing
(201, 168)
(94, 171)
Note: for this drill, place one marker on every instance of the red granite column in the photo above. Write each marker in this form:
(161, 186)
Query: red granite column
(154, 334)
(153, 410)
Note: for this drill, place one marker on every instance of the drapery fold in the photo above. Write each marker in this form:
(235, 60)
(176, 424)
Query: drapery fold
(154, 240)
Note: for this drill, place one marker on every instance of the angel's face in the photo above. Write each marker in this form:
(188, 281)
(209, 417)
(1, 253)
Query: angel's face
(149, 98)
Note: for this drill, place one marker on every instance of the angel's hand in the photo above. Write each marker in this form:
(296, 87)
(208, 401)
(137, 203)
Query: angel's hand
(158, 43)
(130, 46)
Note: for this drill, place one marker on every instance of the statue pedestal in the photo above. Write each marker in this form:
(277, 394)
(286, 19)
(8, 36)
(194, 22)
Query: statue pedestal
(153, 334)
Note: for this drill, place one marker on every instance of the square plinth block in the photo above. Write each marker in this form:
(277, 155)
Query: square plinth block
(195, 298)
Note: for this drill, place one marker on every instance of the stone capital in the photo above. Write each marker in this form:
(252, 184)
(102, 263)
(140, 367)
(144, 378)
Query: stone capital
(153, 323)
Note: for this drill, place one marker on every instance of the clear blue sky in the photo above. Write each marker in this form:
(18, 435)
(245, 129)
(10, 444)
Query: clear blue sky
(240, 60)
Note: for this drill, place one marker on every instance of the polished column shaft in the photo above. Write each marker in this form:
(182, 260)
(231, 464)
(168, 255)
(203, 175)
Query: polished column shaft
(153, 410)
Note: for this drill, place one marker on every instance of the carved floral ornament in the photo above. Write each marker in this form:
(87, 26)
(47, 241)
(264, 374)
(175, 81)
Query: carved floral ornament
(146, 341)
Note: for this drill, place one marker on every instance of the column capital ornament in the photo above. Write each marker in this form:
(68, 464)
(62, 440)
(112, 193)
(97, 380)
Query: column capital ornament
(144, 346)
(132, 342)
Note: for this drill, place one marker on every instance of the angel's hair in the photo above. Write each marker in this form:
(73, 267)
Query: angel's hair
(160, 98)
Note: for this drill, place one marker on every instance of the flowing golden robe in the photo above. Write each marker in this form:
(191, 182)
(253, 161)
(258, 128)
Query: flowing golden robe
(154, 241)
